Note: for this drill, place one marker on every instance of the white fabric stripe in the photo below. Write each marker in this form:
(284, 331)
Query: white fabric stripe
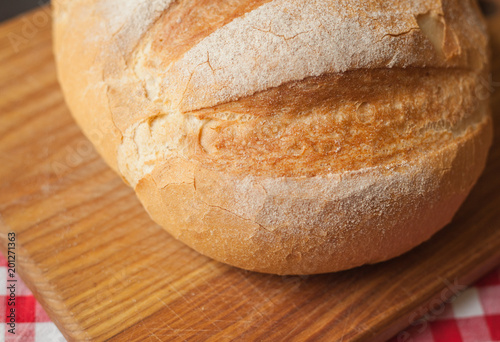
(48, 332)
(3, 281)
(468, 304)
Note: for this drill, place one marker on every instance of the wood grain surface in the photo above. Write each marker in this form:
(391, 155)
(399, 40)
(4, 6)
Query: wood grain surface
(104, 271)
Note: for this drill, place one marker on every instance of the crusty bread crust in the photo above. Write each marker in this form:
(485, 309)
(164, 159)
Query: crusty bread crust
(288, 137)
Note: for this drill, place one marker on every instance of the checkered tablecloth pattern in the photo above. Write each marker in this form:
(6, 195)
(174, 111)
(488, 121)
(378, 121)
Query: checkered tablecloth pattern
(32, 322)
(474, 316)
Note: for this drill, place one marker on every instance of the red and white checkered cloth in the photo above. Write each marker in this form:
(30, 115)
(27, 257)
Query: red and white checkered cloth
(32, 322)
(472, 317)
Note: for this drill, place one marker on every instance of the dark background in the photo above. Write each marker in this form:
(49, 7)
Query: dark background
(11, 8)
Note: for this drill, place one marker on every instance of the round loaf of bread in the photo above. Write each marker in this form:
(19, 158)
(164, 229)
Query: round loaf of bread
(284, 136)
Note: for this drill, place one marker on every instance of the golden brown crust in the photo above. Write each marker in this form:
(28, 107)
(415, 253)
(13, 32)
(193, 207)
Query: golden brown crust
(187, 22)
(288, 40)
(318, 224)
(281, 136)
(327, 124)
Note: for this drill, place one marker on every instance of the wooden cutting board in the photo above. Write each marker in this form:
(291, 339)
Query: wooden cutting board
(104, 271)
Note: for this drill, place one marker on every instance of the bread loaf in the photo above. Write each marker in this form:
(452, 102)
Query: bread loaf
(284, 136)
